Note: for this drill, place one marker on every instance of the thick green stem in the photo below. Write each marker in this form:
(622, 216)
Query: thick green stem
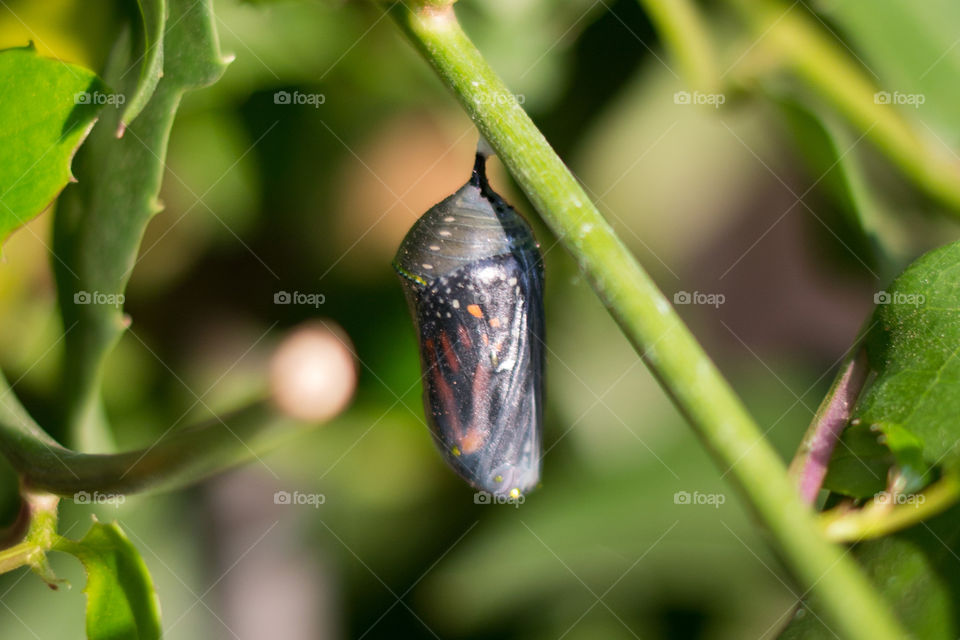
(652, 326)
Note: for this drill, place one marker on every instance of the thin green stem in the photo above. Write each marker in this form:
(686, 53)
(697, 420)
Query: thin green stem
(791, 34)
(652, 326)
(889, 514)
(683, 33)
(40, 512)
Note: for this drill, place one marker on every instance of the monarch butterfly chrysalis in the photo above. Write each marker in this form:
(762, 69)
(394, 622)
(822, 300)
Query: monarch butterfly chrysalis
(473, 277)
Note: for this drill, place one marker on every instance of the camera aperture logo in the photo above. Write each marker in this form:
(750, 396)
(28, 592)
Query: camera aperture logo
(95, 297)
(885, 497)
(485, 497)
(697, 297)
(712, 499)
(99, 97)
(85, 497)
(912, 99)
(698, 97)
(313, 99)
(298, 498)
(298, 297)
(899, 297)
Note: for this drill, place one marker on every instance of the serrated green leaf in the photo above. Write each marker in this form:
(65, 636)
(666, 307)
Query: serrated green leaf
(46, 110)
(122, 603)
(154, 13)
(100, 222)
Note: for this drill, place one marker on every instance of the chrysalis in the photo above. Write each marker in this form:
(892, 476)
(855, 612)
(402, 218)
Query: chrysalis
(473, 277)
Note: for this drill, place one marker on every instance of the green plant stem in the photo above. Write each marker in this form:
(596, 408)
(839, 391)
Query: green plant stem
(176, 460)
(652, 326)
(877, 519)
(40, 512)
(680, 26)
(792, 35)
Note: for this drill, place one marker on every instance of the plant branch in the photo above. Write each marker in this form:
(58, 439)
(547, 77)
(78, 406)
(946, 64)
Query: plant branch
(888, 514)
(809, 467)
(680, 26)
(176, 460)
(40, 514)
(651, 324)
(791, 34)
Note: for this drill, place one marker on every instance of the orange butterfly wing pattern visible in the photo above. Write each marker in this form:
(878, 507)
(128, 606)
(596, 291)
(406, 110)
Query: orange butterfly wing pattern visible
(473, 277)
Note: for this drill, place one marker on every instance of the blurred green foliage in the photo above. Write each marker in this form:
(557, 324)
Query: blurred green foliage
(262, 196)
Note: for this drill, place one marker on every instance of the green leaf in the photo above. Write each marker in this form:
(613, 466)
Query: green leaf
(154, 14)
(47, 107)
(907, 417)
(100, 222)
(914, 347)
(924, 61)
(836, 162)
(858, 467)
(122, 603)
(861, 463)
(915, 570)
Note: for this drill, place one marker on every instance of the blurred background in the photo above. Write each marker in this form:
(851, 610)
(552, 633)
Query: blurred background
(745, 207)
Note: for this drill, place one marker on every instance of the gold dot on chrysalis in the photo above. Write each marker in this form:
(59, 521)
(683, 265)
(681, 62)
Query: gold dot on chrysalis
(515, 493)
(498, 479)
(455, 451)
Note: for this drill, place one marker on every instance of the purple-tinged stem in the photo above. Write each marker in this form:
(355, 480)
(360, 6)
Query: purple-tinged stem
(809, 466)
